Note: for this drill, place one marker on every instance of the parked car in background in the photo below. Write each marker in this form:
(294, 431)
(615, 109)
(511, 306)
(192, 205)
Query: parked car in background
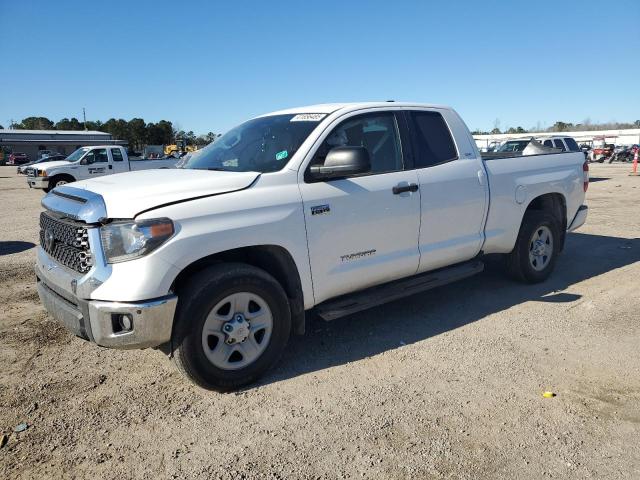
(317, 208)
(17, 158)
(46, 153)
(89, 162)
(516, 145)
(565, 144)
(22, 169)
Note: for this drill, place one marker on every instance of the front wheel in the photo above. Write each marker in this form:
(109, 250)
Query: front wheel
(534, 256)
(59, 180)
(232, 323)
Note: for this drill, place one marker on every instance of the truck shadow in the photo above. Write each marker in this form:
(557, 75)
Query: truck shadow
(7, 248)
(431, 313)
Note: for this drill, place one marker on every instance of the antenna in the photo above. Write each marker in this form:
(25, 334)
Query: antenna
(84, 119)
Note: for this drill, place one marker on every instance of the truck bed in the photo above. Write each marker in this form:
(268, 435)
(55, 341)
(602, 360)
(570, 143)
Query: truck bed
(516, 179)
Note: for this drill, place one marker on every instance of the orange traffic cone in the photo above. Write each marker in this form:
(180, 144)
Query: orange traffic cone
(635, 163)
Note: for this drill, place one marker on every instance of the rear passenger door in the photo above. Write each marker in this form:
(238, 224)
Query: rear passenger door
(118, 163)
(453, 188)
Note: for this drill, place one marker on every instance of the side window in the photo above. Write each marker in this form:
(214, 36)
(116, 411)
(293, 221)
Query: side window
(97, 156)
(116, 154)
(547, 143)
(432, 139)
(100, 155)
(377, 132)
(559, 144)
(572, 144)
(90, 157)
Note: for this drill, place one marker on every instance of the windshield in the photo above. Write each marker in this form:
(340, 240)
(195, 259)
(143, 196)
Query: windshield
(263, 144)
(514, 146)
(77, 155)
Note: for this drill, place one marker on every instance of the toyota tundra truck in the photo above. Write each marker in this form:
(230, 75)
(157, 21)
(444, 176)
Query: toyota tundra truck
(89, 162)
(327, 209)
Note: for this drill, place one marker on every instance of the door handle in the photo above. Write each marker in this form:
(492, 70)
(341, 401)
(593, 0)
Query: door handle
(412, 187)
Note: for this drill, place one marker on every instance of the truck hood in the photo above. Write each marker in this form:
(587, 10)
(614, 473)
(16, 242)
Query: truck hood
(46, 166)
(124, 195)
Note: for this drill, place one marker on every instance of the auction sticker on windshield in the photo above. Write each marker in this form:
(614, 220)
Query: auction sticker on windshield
(308, 117)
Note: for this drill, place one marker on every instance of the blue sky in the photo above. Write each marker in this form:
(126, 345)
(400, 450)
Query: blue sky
(210, 65)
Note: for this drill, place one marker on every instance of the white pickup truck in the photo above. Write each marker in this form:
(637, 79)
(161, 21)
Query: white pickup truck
(328, 208)
(89, 162)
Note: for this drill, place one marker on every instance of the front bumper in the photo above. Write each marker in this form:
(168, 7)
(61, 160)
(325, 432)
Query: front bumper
(123, 325)
(38, 182)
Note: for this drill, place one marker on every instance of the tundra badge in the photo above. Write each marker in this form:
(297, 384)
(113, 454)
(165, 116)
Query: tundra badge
(320, 210)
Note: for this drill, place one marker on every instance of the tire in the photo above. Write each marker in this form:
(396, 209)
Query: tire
(522, 263)
(203, 302)
(60, 180)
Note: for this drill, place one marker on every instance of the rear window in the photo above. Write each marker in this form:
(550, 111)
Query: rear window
(432, 139)
(559, 144)
(116, 154)
(572, 144)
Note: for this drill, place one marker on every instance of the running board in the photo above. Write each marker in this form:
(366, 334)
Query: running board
(378, 295)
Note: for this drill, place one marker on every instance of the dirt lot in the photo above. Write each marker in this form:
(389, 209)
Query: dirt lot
(445, 384)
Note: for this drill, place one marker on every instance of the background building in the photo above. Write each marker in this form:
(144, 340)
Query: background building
(60, 141)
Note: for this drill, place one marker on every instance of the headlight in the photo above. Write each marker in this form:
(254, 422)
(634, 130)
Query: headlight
(122, 241)
(41, 173)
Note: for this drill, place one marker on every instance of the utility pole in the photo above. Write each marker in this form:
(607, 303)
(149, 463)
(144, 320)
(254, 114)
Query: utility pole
(84, 119)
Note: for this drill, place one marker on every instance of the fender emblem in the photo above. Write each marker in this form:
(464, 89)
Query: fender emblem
(320, 210)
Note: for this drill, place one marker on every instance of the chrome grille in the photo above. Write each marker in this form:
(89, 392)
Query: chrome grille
(31, 172)
(66, 241)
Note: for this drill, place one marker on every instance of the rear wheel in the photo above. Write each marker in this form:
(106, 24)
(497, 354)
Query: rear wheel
(232, 324)
(534, 255)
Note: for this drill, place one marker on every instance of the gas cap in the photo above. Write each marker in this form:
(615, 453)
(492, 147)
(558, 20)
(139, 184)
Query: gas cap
(521, 194)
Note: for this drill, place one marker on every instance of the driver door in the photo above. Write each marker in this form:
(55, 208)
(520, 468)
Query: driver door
(97, 162)
(360, 230)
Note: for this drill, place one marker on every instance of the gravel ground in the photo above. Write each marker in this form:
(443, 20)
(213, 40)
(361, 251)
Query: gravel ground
(446, 384)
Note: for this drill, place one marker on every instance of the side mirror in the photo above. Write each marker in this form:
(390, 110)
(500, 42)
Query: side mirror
(84, 161)
(342, 162)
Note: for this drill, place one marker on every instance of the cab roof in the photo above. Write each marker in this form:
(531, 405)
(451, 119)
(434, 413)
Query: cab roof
(334, 107)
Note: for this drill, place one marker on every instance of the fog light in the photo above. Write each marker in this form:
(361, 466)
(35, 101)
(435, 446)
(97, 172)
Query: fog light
(122, 322)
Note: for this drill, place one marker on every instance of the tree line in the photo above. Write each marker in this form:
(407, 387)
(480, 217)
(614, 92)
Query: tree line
(136, 131)
(585, 126)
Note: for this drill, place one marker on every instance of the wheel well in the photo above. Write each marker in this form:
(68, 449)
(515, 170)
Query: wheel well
(555, 204)
(61, 176)
(273, 259)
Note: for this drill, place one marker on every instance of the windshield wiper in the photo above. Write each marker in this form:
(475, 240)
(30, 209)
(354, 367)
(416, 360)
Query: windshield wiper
(217, 169)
